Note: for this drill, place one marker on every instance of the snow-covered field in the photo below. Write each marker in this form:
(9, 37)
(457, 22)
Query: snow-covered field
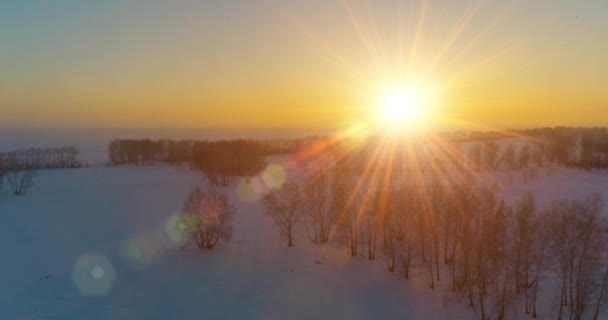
(120, 213)
(94, 243)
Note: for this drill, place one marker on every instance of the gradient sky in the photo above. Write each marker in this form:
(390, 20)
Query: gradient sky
(275, 63)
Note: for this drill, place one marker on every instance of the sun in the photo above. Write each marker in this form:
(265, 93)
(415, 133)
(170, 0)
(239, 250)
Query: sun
(403, 107)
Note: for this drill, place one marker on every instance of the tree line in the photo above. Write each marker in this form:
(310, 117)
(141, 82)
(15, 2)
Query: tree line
(497, 256)
(41, 158)
(218, 160)
(586, 147)
(571, 147)
(148, 151)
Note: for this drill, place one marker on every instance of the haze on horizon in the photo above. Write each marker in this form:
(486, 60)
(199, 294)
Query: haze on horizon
(297, 64)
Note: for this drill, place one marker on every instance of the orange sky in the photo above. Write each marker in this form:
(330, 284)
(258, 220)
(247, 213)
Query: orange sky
(299, 63)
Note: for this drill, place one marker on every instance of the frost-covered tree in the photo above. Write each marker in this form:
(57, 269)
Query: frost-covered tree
(284, 206)
(208, 217)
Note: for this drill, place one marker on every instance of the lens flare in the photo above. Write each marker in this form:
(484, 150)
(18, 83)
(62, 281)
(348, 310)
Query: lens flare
(93, 275)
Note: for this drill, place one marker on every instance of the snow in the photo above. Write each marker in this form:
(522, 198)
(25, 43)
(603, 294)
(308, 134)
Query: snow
(117, 217)
(110, 224)
(562, 184)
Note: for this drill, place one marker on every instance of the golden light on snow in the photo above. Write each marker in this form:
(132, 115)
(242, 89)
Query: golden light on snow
(93, 275)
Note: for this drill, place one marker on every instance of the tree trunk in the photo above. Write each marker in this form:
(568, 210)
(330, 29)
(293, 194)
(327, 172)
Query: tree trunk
(562, 298)
(482, 306)
(437, 257)
(596, 313)
(432, 283)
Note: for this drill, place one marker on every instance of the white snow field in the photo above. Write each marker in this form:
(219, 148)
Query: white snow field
(96, 243)
(114, 220)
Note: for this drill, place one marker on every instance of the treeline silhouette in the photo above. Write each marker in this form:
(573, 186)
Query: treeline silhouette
(589, 145)
(147, 151)
(217, 160)
(221, 160)
(41, 158)
(527, 151)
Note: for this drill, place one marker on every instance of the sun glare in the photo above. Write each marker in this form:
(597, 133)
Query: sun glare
(404, 108)
(401, 106)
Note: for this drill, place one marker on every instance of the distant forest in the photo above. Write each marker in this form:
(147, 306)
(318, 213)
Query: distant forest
(218, 160)
(572, 147)
(147, 151)
(40, 158)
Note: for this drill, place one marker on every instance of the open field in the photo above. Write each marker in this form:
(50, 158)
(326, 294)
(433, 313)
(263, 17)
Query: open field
(122, 213)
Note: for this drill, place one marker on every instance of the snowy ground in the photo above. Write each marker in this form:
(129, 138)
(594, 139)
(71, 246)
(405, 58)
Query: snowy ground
(121, 213)
(103, 231)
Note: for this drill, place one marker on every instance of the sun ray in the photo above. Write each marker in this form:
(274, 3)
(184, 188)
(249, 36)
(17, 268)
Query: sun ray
(328, 53)
(416, 40)
(457, 32)
(361, 32)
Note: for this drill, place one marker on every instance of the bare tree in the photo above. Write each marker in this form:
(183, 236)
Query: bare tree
(351, 209)
(539, 153)
(490, 154)
(601, 299)
(18, 173)
(508, 157)
(481, 223)
(208, 217)
(400, 230)
(2, 173)
(438, 198)
(283, 206)
(320, 207)
(475, 155)
(20, 180)
(525, 211)
(500, 247)
(465, 204)
(580, 237)
(523, 158)
(540, 259)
